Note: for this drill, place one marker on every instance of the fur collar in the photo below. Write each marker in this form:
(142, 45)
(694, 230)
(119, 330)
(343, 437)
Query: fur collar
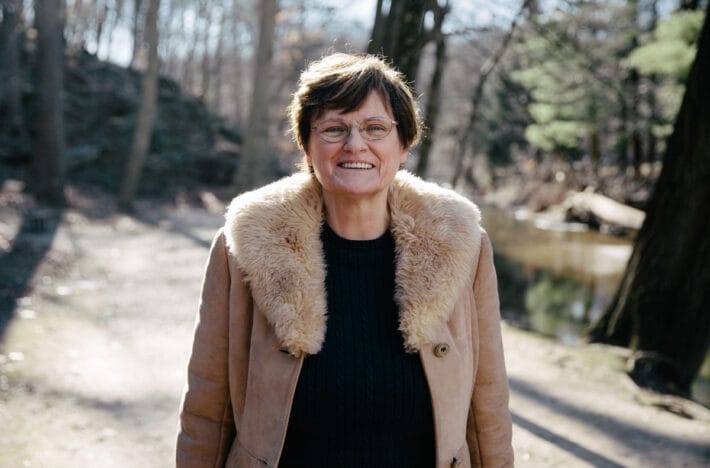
(274, 233)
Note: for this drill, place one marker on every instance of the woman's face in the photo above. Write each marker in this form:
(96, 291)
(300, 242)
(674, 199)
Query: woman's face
(355, 166)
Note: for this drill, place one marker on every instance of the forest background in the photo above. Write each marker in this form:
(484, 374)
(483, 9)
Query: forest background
(584, 120)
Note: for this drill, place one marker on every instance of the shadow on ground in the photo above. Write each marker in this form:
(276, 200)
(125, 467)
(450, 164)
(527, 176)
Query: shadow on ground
(19, 265)
(603, 423)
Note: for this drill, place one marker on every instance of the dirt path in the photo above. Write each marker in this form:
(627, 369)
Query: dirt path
(93, 362)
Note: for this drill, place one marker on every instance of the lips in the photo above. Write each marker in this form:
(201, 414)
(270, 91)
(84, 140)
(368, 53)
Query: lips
(356, 165)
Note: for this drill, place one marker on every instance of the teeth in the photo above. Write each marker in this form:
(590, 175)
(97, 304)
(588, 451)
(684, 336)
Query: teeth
(356, 165)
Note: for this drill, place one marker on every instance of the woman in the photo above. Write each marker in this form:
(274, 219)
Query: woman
(409, 370)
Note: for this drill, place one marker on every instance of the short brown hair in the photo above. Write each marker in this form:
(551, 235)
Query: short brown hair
(343, 81)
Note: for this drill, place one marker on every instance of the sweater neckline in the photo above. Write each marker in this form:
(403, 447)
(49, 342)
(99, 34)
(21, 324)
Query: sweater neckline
(329, 236)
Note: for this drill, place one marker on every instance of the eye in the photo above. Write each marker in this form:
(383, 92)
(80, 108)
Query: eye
(334, 129)
(376, 128)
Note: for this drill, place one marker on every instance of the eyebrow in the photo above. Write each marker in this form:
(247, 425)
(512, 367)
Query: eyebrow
(340, 119)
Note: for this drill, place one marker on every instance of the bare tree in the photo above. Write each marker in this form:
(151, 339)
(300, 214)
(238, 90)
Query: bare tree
(433, 96)
(138, 31)
(206, 59)
(10, 81)
(464, 146)
(146, 112)
(49, 142)
(255, 163)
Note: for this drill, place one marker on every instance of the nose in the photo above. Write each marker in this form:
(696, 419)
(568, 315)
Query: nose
(354, 142)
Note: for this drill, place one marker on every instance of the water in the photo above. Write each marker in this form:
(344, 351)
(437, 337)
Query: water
(559, 280)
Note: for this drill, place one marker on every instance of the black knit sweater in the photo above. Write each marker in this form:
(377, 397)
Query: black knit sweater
(362, 401)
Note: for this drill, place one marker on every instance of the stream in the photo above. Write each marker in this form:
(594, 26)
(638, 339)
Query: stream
(557, 279)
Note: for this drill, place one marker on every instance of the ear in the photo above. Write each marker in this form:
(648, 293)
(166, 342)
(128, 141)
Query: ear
(403, 156)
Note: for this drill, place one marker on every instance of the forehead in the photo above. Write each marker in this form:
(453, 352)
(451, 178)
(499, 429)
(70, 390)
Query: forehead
(372, 106)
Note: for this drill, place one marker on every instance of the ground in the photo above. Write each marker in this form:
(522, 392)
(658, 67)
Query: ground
(93, 361)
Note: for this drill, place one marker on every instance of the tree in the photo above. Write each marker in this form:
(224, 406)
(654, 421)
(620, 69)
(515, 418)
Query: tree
(254, 164)
(399, 34)
(49, 141)
(464, 141)
(137, 31)
(10, 82)
(146, 112)
(661, 306)
(574, 85)
(433, 96)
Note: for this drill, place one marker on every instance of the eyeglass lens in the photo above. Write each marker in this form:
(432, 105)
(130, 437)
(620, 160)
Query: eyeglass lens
(337, 130)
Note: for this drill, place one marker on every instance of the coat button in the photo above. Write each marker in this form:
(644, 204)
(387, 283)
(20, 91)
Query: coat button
(455, 462)
(441, 350)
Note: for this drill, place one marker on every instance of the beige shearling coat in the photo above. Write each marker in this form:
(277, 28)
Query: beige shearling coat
(263, 311)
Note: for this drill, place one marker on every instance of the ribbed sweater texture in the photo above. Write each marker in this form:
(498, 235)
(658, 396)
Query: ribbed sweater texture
(362, 401)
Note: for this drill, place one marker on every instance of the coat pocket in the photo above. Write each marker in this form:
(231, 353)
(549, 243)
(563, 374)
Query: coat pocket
(462, 459)
(240, 457)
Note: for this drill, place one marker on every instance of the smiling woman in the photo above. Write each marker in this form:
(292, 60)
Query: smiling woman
(409, 370)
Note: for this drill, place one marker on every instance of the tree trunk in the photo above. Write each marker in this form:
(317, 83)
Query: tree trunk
(137, 32)
(146, 112)
(218, 65)
(10, 81)
(595, 151)
(400, 35)
(205, 62)
(634, 80)
(49, 141)
(378, 30)
(432, 103)
(255, 163)
(101, 18)
(464, 143)
(662, 305)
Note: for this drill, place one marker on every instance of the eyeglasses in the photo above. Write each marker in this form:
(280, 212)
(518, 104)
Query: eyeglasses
(334, 130)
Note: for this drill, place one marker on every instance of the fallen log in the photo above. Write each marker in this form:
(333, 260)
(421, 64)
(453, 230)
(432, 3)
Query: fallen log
(604, 210)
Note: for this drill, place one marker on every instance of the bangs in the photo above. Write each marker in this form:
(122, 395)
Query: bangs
(345, 93)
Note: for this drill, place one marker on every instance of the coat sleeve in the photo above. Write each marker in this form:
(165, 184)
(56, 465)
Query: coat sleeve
(489, 431)
(207, 428)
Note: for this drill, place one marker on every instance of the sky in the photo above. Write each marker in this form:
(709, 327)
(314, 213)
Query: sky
(355, 13)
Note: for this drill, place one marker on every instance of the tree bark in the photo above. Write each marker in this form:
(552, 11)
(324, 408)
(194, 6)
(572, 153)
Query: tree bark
(146, 112)
(205, 12)
(10, 81)
(663, 302)
(400, 35)
(218, 65)
(137, 32)
(378, 30)
(49, 141)
(255, 164)
(432, 103)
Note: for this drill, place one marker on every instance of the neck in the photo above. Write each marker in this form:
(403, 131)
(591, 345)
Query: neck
(357, 219)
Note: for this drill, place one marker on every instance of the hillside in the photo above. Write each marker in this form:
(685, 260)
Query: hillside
(191, 146)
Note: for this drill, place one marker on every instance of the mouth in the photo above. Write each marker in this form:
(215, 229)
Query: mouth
(356, 165)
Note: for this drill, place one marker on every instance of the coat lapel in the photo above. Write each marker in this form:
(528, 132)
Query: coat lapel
(274, 234)
(437, 237)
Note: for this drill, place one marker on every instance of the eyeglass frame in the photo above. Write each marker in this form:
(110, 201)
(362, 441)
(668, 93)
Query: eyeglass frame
(393, 123)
